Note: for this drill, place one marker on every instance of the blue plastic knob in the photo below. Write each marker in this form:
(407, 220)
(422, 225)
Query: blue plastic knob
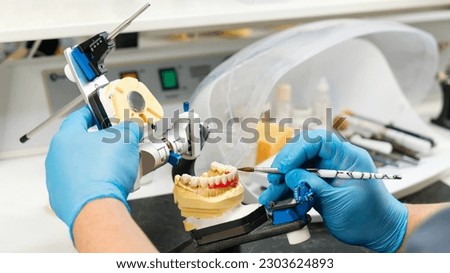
(174, 158)
(186, 106)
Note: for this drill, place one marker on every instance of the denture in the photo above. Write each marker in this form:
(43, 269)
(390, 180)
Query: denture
(211, 195)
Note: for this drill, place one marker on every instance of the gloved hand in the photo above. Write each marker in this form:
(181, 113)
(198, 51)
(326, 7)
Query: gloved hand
(82, 166)
(357, 212)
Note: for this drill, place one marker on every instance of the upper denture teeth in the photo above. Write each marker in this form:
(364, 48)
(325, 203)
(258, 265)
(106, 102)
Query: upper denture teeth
(194, 181)
(217, 180)
(224, 179)
(203, 182)
(185, 178)
(215, 165)
(210, 181)
(229, 176)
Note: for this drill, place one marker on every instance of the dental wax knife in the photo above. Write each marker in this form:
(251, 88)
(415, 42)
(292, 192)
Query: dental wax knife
(323, 173)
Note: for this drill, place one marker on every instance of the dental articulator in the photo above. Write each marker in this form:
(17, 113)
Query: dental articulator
(212, 205)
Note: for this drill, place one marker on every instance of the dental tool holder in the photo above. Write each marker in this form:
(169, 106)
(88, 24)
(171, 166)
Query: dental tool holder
(290, 219)
(264, 231)
(256, 226)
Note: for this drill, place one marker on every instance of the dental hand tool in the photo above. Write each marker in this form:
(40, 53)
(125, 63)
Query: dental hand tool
(324, 173)
(412, 141)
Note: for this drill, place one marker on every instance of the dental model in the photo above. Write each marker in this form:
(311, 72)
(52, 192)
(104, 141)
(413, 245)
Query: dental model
(128, 99)
(205, 199)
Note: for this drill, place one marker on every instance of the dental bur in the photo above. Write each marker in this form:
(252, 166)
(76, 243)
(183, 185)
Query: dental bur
(324, 173)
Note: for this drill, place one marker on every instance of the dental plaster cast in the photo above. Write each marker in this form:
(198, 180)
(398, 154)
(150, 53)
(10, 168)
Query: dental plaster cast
(208, 197)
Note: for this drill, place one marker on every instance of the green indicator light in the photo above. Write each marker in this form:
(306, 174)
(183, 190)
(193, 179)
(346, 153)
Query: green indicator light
(169, 80)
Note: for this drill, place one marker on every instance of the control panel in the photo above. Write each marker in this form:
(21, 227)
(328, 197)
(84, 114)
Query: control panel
(170, 81)
(37, 88)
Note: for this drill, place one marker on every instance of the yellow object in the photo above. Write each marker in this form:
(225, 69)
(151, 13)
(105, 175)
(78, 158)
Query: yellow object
(271, 139)
(128, 99)
(209, 196)
(196, 202)
(20, 53)
(181, 37)
(236, 33)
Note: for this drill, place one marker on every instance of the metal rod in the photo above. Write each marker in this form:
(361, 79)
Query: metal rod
(34, 48)
(61, 113)
(125, 23)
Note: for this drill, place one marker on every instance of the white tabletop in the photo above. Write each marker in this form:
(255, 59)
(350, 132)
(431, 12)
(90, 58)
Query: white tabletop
(30, 20)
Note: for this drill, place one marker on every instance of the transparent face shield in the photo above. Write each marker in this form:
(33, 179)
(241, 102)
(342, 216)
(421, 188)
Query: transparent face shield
(241, 87)
(377, 63)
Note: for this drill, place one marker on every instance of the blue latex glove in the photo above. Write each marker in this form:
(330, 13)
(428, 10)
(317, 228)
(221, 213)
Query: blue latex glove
(82, 166)
(357, 212)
